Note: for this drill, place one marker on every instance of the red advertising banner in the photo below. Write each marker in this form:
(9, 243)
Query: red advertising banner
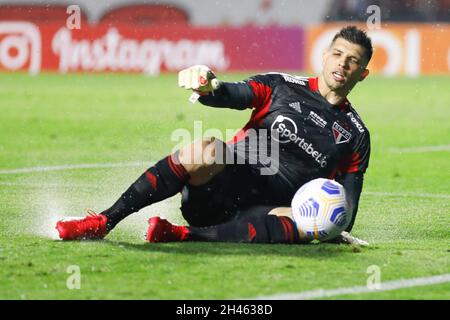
(150, 50)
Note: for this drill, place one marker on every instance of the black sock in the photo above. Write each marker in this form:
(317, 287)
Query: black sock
(260, 227)
(165, 179)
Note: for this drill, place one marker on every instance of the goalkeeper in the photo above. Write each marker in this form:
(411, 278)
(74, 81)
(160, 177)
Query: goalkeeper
(318, 134)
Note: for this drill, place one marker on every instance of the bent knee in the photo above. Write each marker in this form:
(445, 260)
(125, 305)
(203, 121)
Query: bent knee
(203, 158)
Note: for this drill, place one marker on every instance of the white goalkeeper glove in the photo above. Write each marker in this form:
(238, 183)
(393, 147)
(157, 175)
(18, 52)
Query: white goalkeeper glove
(346, 238)
(198, 78)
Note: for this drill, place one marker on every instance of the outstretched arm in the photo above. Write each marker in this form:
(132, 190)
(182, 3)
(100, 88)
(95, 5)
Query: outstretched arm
(236, 95)
(212, 92)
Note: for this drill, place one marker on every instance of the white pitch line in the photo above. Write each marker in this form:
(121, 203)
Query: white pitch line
(384, 286)
(149, 163)
(48, 185)
(76, 166)
(140, 164)
(423, 149)
(407, 194)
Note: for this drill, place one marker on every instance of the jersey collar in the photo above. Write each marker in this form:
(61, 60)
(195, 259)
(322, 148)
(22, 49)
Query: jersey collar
(314, 86)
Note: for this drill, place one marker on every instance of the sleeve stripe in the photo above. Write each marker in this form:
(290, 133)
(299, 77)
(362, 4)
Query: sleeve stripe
(350, 164)
(261, 104)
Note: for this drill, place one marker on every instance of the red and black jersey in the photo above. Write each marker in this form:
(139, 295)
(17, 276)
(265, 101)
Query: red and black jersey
(316, 139)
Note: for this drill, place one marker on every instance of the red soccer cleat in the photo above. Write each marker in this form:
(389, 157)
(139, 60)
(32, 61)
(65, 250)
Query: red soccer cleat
(91, 227)
(161, 230)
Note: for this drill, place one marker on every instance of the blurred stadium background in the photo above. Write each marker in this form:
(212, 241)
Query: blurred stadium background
(260, 35)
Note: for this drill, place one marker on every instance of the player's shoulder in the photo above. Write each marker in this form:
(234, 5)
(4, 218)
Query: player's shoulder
(289, 78)
(356, 121)
(276, 78)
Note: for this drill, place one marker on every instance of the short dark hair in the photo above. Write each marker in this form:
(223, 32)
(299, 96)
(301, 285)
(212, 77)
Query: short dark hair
(357, 36)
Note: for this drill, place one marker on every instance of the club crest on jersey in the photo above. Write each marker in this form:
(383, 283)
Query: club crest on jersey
(340, 134)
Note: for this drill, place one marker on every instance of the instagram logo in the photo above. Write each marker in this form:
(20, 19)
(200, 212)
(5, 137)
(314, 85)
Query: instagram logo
(20, 46)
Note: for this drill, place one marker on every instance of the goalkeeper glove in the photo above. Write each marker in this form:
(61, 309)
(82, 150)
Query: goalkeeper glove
(346, 238)
(198, 78)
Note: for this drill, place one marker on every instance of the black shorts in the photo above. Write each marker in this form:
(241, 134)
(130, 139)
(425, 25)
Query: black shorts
(230, 192)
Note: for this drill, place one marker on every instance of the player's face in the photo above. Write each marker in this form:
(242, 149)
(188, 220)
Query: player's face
(344, 65)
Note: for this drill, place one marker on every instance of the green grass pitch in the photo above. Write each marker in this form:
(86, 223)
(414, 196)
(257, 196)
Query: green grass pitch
(127, 120)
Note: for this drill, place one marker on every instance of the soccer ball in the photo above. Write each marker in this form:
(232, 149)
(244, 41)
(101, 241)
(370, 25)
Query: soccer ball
(320, 210)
